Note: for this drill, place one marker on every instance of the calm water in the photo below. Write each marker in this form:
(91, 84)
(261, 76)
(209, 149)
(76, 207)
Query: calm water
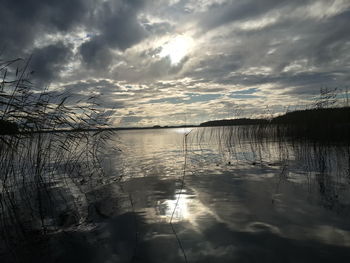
(208, 200)
(199, 195)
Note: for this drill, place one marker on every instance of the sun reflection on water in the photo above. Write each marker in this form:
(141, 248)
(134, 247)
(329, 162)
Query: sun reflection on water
(183, 130)
(184, 207)
(178, 208)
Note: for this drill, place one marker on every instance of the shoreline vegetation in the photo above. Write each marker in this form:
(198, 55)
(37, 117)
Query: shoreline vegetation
(323, 124)
(336, 117)
(319, 124)
(324, 116)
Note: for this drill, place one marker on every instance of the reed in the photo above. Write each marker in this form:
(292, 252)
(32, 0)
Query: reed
(45, 172)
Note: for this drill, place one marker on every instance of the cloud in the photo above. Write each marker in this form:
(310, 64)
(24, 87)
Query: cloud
(233, 11)
(118, 27)
(292, 49)
(114, 24)
(23, 20)
(283, 50)
(96, 54)
(49, 61)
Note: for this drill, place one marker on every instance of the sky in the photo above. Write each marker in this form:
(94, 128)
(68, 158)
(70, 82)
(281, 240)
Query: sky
(171, 62)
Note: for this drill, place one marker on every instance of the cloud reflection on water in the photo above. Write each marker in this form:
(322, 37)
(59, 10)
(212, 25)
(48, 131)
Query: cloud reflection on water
(227, 210)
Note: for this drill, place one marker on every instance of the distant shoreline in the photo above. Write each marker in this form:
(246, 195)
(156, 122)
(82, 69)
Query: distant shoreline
(327, 117)
(322, 116)
(104, 129)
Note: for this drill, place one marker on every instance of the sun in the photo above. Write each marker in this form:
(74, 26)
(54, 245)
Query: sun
(176, 48)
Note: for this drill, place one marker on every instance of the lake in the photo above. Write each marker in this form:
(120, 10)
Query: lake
(207, 195)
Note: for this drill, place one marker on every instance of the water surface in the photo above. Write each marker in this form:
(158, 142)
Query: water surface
(196, 196)
(202, 195)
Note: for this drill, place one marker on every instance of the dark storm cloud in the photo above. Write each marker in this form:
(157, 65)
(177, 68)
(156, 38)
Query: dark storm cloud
(47, 62)
(114, 23)
(119, 24)
(96, 53)
(118, 27)
(21, 21)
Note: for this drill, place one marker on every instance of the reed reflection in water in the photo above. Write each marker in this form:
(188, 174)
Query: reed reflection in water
(237, 198)
(243, 199)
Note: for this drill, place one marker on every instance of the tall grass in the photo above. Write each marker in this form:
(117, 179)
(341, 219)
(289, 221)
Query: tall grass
(320, 164)
(45, 173)
(313, 143)
(312, 146)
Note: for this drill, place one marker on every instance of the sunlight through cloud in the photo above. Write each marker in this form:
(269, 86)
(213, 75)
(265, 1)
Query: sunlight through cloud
(176, 48)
